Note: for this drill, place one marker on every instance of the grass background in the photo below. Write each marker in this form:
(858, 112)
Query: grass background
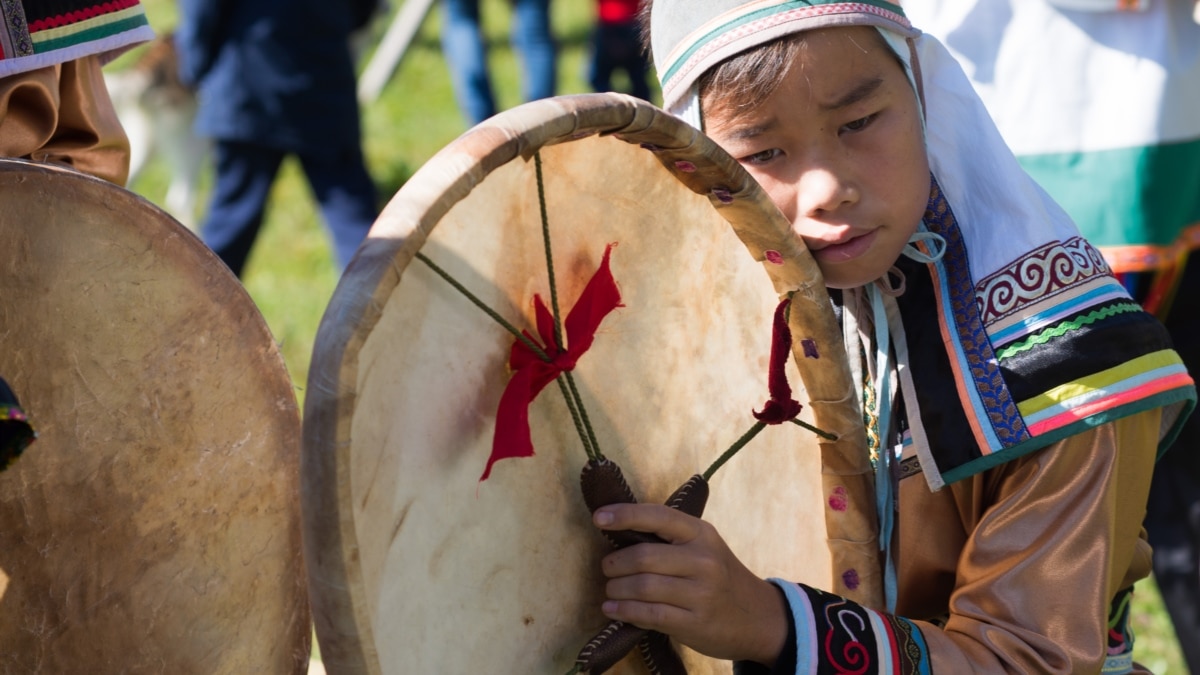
(291, 273)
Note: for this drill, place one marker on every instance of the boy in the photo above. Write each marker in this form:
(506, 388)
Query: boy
(54, 107)
(1031, 392)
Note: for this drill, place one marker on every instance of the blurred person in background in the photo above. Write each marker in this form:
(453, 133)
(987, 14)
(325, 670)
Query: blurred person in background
(466, 52)
(1100, 100)
(617, 47)
(276, 78)
(54, 108)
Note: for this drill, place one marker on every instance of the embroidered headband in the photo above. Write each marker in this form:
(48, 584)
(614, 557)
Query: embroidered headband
(689, 36)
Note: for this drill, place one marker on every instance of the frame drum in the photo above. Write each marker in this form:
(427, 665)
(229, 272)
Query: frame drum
(155, 524)
(417, 566)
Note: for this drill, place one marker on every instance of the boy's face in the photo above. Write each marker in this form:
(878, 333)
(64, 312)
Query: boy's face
(839, 148)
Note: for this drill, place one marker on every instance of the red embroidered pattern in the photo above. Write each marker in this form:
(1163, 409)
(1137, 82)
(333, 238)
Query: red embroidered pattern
(850, 642)
(1051, 269)
(80, 15)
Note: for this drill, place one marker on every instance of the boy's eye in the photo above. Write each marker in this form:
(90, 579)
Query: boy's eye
(761, 157)
(860, 123)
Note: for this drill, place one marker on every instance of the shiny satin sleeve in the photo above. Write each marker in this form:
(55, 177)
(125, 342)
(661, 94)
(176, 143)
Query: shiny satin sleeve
(1050, 540)
(63, 114)
(1014, 570)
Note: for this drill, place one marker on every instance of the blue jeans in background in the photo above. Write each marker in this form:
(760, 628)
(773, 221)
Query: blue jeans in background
(466, 53)
(245, 173)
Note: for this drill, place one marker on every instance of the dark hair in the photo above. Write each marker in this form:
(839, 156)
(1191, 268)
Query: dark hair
(643, 21)
(743, 79)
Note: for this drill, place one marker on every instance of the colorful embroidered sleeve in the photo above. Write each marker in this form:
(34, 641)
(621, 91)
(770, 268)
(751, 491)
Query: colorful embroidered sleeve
(835, 635)
(1024, 568)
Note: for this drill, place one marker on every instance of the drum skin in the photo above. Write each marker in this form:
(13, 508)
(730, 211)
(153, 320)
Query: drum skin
(154, 526)
(415, 565)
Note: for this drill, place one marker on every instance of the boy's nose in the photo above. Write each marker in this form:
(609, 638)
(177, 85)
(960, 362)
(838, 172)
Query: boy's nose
(822, 191)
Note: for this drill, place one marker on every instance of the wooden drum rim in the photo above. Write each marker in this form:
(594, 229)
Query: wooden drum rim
(336, 587)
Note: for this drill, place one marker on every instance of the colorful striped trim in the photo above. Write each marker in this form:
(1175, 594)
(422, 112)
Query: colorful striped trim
(806, 627)
(1144, 376)
(985, 398)
(1037, 316)
(1074, 411)
(1120, 635)
(1061, 329)
(81, 15)
(985, 436)
(95, 28)
(836, 635)
(1118, 665)
(105, 36)
(755, 17)
(1185, 396)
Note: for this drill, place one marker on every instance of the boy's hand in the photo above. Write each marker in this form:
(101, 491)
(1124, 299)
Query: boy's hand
(692, 588)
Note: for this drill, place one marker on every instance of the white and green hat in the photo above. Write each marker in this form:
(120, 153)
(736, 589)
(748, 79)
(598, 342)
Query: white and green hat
(691, 36)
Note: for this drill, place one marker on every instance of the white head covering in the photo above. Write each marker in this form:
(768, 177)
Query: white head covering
(966, 152)
(1019, 299)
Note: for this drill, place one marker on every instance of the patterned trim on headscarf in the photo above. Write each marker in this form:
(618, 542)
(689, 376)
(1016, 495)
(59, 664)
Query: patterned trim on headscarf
(1040, 349)
(994, 425)
(762, 21)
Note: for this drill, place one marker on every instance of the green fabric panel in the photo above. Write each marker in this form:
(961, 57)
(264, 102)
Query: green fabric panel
(1128, 196)
(91, 34)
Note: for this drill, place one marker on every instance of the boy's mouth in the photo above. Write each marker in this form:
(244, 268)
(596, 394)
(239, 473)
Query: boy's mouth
(846, 250)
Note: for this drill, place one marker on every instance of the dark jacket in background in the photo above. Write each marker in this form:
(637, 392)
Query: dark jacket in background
(277, 73)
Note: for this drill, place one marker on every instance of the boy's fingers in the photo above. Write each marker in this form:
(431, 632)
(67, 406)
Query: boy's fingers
(669, 524)
(663, 559)
(651, 588)
(648, 615)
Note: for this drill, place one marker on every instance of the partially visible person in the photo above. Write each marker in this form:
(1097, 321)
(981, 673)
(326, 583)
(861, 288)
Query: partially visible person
(1015, 397)
(53, 103)
(1100, 100)
(55, 108)
(466, 53)
(617, 47)
(276, 78)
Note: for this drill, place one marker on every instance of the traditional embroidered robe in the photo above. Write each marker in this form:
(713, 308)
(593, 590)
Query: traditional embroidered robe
(1037, 396)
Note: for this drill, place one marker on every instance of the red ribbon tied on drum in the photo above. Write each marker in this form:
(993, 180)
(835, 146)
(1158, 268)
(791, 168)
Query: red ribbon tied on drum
(781, 407)
(531, 374)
